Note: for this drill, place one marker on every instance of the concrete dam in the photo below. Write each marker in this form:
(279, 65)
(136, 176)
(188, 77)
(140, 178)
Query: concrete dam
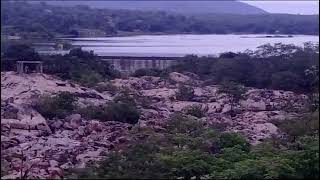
(128, 65)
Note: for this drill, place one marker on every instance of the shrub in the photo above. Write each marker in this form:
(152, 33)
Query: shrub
(122, 112)
(196, 111)
(87, 77)
(22, 52)
(306, 125)
(124, 97)
(286, 80)
(93, 112)
(235, 91)
(81, 66)
(106, 87)
(185, 93)
(57, 106)
(147, 72)
(229, 140)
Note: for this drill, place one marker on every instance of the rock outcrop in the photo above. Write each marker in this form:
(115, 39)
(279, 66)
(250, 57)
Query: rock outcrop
(46, 147)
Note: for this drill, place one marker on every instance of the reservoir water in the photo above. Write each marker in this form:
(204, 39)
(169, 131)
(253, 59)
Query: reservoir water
(180, 45)
(172, 46)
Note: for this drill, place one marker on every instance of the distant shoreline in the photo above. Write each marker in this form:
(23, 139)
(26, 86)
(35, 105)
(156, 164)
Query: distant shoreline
(152, 34)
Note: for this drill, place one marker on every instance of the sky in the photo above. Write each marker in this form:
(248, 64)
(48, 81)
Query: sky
(289, 7)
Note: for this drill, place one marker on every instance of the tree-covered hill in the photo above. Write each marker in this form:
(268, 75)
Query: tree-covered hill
(45, 20)
(183, 7)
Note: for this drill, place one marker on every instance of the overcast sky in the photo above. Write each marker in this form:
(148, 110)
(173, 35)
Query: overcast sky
(290, 7)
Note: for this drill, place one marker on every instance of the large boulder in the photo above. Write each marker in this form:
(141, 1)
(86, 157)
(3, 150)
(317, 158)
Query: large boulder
(179, 78)
(28, 119)
(181, 105)
(214, 107)
(226, 108)
(10, 112)
(252, 105)
(161, 93)
(23, 89)
(74, 120)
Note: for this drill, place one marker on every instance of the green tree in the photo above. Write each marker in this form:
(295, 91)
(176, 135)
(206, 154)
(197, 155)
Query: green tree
(21, 52)
(234, 91)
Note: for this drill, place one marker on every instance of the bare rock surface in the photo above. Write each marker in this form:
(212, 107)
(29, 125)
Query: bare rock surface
(24, 88)
(45, 148)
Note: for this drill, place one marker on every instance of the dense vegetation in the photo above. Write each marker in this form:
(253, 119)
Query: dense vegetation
(122, 109)
(46, 21)
(79, 66)
(284, 67)
(58, 106)
(187, 149)
(184, 7)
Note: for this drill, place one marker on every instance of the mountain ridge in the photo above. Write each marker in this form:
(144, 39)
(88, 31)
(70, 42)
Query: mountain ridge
(182, 7)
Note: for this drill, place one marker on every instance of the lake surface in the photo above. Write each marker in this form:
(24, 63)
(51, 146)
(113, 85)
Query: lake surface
(180, 45)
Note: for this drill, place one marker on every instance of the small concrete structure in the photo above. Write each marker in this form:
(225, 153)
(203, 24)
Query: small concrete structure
(22, 68)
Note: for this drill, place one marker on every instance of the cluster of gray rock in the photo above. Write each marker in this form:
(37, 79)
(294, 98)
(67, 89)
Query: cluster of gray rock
(35, 147)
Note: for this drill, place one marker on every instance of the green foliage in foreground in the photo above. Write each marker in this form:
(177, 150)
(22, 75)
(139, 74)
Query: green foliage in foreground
(187, 149)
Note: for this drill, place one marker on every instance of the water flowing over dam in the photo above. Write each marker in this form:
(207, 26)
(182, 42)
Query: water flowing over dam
(128, 65)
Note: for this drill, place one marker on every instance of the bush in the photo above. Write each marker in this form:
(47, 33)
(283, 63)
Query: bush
(286, 80)
(106, 87)
(22, 52)
(229, 140)
(124, 97)
(80, 66)
(234, 90)
(196, 111)
(122, 112)
(306, 125)
(87, 78)
(93, 112)
(58, 106)
(185, 93)
(147, 72)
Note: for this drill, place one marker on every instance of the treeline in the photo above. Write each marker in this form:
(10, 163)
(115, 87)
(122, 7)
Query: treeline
(48, 21)
(80, 66)
(283, 67)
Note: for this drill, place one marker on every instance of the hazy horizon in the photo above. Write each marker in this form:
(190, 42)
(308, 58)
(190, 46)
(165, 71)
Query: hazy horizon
(287, 7)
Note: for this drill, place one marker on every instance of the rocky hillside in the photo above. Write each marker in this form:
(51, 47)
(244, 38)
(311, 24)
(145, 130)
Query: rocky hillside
(48, 147)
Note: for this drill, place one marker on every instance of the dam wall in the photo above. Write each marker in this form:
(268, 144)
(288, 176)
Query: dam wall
(130, 65)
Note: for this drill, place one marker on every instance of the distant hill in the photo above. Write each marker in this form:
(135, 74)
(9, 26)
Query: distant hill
(184, 7)
(48, 21)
